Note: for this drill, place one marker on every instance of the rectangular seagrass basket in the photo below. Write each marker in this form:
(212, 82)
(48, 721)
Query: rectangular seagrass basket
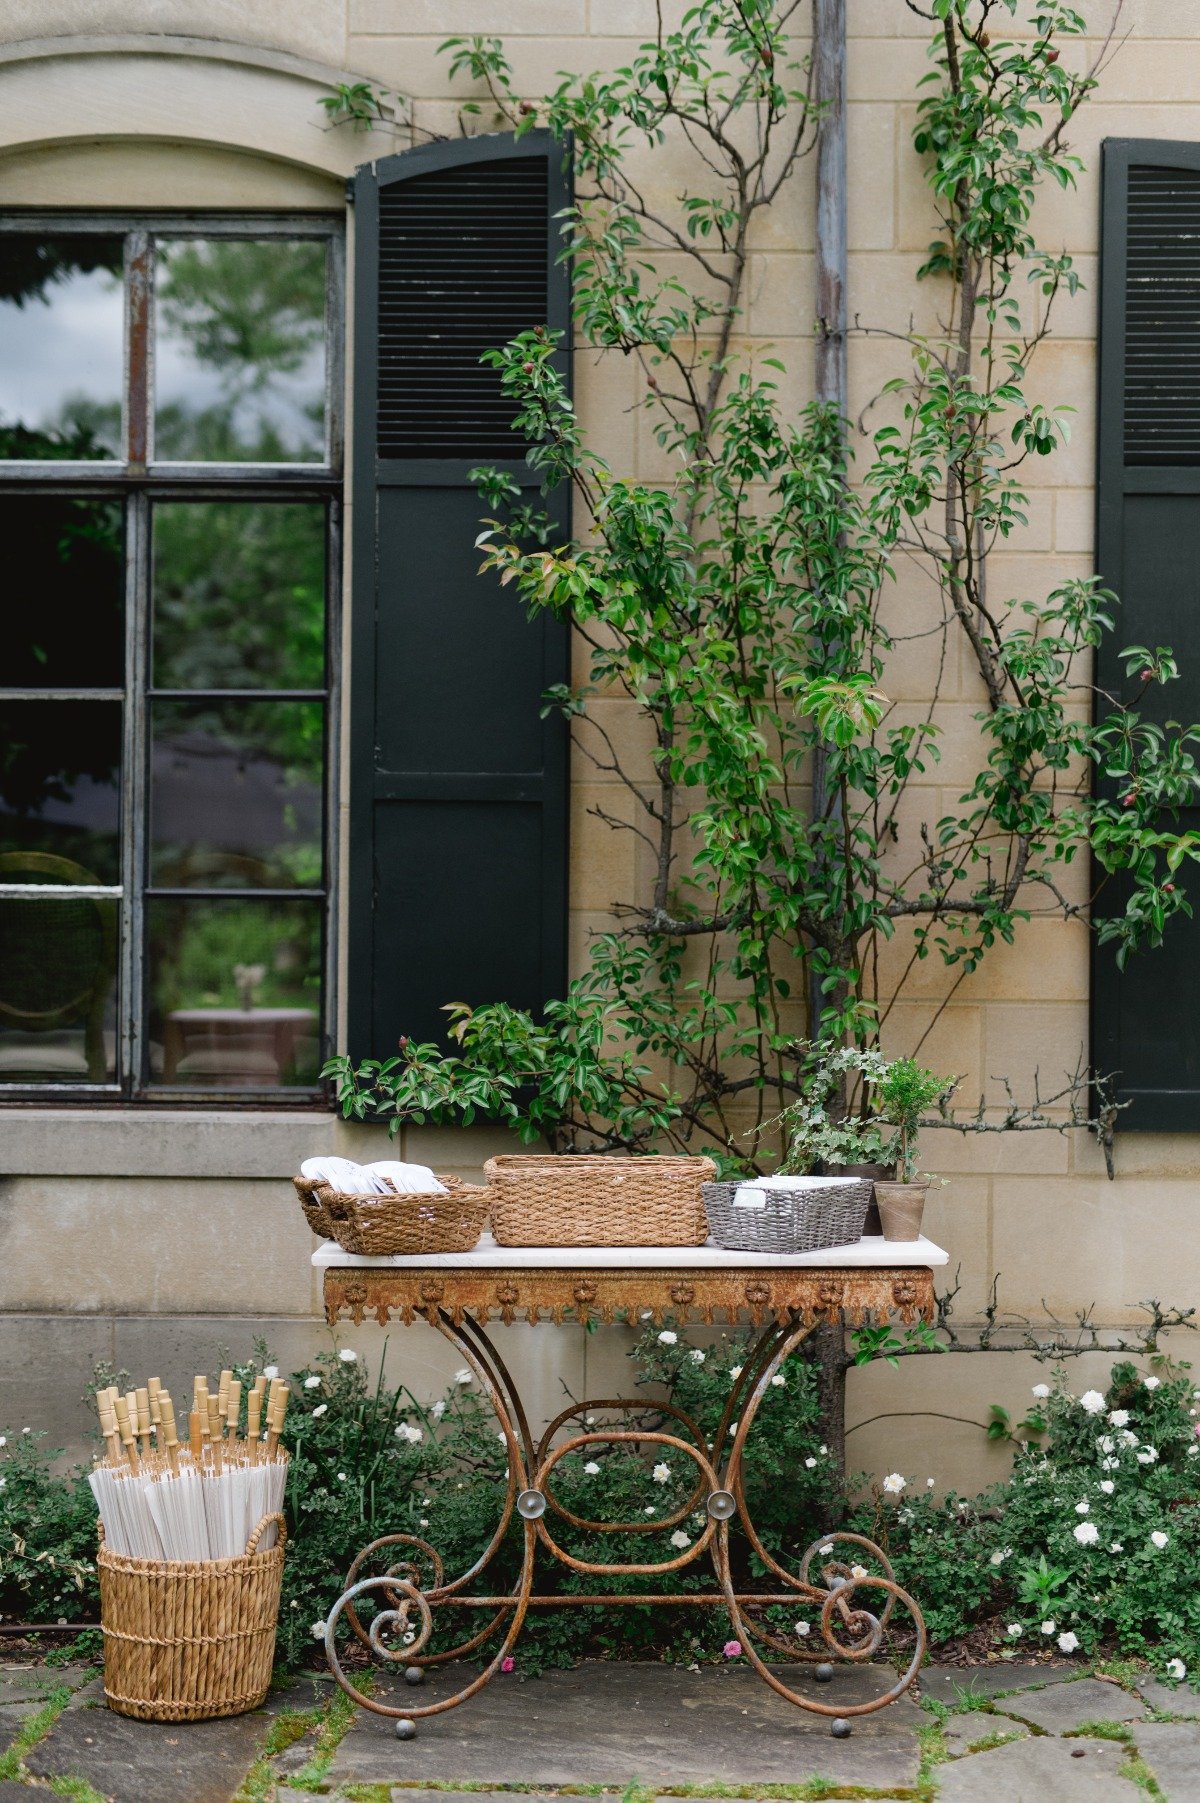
(412, 1222)
(802, 1218)
(591, 1200)
(187, 1642)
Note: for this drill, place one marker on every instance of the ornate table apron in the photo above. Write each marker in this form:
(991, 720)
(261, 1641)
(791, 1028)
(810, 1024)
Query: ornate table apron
(785, 1302)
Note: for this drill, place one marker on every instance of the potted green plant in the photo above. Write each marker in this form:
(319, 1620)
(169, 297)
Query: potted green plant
(900, 1092)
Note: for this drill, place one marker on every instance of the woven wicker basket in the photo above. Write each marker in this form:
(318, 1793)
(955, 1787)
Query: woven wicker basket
(377, 1226)
(595, 1201)
(315, 1211)
(803, 1218)
(186, 1642)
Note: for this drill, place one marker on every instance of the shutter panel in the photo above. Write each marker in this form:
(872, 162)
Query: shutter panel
(458, 788)
(1148, 551)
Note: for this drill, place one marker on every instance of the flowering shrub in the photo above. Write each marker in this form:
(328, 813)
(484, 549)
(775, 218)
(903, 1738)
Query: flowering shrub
(1093, 1541)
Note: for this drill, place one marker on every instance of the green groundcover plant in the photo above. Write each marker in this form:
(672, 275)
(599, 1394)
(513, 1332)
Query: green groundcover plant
(1092, 1546)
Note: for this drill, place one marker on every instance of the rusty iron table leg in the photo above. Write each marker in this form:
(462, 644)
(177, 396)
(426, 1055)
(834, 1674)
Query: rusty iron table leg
(412, 1582)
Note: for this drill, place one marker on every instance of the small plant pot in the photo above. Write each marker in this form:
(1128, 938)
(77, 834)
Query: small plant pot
(901, 1206)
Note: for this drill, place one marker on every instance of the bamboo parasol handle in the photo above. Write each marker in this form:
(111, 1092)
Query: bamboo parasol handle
(264, 1524)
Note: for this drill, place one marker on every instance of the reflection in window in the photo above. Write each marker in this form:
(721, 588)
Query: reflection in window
(234, 993)
(60, 773)
(239, 594)
(236, 794)
(58, 967)
(62, 345)
(64, 601)
(240, 351)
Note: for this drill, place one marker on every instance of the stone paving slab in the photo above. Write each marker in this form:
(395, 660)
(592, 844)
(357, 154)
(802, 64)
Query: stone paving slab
(1180, 1701)
(961, 1732)
(1039, 1770)
(1062, 1708)
(12, 1791)
(611, 1723)
(945, 1683)
(1172, 1751)
(13, 1717)
(151, 1762)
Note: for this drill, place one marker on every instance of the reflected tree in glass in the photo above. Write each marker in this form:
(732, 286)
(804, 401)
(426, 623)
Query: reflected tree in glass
(62, 345)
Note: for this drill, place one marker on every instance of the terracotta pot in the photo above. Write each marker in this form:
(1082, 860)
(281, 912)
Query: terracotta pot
(875, 1172)
(901, 1206)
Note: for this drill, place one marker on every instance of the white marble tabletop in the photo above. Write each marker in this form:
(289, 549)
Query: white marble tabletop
(488, 1256)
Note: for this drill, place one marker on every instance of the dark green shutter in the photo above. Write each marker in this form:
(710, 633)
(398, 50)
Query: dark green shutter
(458, 787)
(1145, 1028)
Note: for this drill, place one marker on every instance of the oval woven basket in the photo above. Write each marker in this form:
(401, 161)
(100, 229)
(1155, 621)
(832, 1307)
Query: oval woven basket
(188, 1642)
(410, 1223)
(590, 1200)
(315, 1211)
(806, 1218)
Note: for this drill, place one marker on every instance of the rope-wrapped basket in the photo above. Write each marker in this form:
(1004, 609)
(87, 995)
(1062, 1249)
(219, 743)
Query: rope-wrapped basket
(187, 1642)
(805, 1216)
(410, 1222)
(315, 1211)
(591, 1200)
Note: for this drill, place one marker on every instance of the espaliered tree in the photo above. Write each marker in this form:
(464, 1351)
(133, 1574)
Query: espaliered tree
(742, 605)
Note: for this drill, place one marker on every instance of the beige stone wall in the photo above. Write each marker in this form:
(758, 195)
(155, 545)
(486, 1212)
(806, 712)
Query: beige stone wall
(149, 1238)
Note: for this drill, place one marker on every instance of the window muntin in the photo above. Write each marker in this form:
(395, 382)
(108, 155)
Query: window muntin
(166, 685)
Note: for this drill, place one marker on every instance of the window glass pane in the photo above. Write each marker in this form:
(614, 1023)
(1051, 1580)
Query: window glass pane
(239, 595)
(240, 350)
(58, 982)
(60, 770)
(64, 609)
(236, 794)
(235, 993)
(62, 345)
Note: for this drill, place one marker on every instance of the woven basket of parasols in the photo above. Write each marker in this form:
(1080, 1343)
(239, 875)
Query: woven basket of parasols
(191, 1549)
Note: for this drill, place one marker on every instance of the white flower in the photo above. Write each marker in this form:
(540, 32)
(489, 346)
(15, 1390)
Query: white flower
(407, 1431)
(649, 1510)
(26, 1430)
(1176, 1669)
(858, 1571)
(1148, 1456)
(893, 1484)
(341, 1477)
(997, 1559)
(929, 1483)
(810, 1464)
(322, 1408)
(661, 1474)
(592, 1469)
(1159, 1539)
(462, 1377)
(1106, 1443)
(1014, 1630)
(1107, 1485)
(1083, 1508)
(437, 1409)
(3, 1439)
(1116, 1547)
(1192, 1450)
(1087, 1533)
(826, 1549)
(271, 1371)
(735, 1371)
(1110, 1464)
(667, 1338)
(348, 1355)
(1041, 1391)
(318, 1630)
(1049, 1627)
(823, 1450)
(423, 1523)
(1129, 1438)
(680, 1539)
(1152, 1383)
(1118, 1417)
(1091, 1402)
(779, 1380)
(313, 1382)
(697, 1356)
(1068, 1642)
(804, 1629)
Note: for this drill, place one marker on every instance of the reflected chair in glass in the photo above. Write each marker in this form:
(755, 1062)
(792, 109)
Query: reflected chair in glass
(57, 965)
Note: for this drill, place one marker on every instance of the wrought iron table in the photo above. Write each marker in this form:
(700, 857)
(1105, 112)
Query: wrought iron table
(785, 1299)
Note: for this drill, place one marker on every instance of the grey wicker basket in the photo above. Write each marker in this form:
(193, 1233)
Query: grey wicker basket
(804, 1217)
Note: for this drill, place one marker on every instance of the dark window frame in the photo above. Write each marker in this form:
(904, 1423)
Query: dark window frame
(138, 482)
